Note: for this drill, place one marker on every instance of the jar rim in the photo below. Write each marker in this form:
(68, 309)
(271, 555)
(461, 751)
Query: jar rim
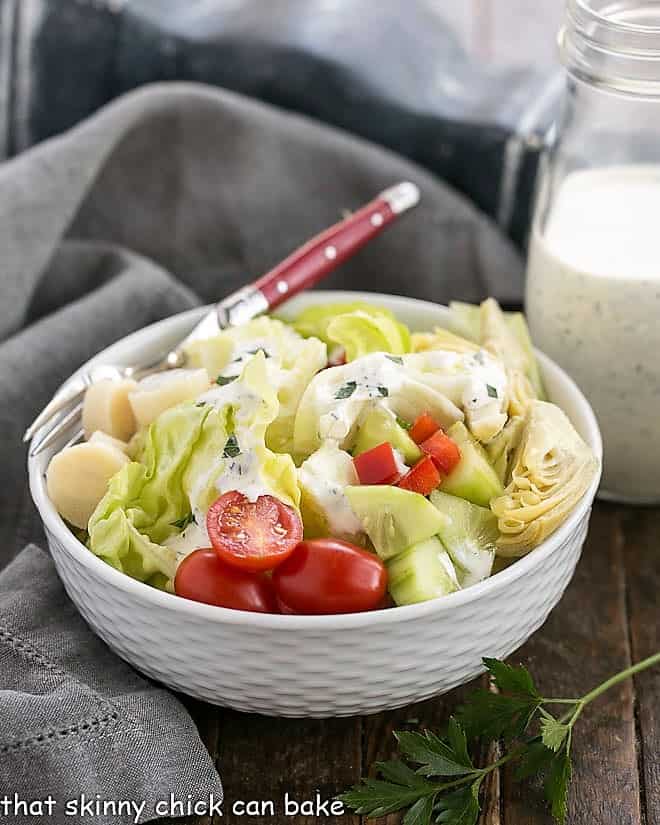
(596, 16)
(612, 44)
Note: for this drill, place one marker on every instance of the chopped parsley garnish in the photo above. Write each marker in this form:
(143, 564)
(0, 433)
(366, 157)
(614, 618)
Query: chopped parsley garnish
(492, 392)
(397, 359)
(182, 523)
(200, 404)
(347, 390)
(383, 391)
(221, 380)
(404, 424)
(231, 447)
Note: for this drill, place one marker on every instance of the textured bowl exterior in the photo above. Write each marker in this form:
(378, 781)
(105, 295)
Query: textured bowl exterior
(327, 665)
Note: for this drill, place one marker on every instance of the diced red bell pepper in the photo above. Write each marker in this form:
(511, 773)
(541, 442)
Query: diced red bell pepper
(423, 427)
(422, 478)
(442, 450)
(376, 466)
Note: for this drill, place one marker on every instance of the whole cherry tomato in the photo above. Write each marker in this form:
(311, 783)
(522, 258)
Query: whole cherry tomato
(330, 576)
(252, 535)
(202, 577)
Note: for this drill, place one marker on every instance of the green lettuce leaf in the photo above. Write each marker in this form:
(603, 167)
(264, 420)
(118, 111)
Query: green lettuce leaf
(184, 463)
(146, 497)
(358, 327)
(291, 362)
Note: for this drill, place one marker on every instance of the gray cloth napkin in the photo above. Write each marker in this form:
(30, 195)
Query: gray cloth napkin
(173, 195)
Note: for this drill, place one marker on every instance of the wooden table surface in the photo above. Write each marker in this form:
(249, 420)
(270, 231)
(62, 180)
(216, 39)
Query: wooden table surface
(607, 618)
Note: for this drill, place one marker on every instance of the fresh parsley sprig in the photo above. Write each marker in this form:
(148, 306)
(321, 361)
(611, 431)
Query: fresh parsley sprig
(443, 784)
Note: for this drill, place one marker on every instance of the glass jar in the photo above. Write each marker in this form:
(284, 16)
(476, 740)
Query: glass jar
(593, 276)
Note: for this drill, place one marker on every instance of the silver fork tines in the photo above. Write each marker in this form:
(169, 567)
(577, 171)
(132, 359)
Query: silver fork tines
(71, 394)
(65, 408)
(61, 426)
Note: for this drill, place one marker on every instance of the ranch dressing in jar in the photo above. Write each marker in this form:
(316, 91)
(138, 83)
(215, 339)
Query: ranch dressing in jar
(593, 277)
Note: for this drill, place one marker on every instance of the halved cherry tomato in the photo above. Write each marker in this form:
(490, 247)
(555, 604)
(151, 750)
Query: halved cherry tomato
(330, 576)
(202, 577)
(442, 450)
(423, 427)
(376, 466)
(252, 535)
(422, 478)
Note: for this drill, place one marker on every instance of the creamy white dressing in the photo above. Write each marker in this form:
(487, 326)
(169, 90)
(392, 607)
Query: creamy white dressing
(486, 381)
(243, 351)
(342, 395)
(324, 476)
(193, 537)
(369, 380)
(593, 305)
(475, 381)
(241, 472)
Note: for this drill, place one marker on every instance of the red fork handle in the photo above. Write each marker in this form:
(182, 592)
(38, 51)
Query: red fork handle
(318, 257)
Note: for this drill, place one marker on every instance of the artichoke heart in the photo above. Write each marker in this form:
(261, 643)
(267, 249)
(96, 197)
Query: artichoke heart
(551, 470)
(521, 392)
(499, 338)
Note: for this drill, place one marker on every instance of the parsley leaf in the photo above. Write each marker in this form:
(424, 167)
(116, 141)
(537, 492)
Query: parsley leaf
(556, 785)
(347, 390)
(553, 732)
(535, 759)
(492, 391)
(397, 359)
(420, 813)
(222, 380)
(511, 678)
(182, 523)
(398, 772)
(376, 797)
(383, 391)
(460, 807)
(437, 757)
(493, 715)
(231, 447)
(403, 424)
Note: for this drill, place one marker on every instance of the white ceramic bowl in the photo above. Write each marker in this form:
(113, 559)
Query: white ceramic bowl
(319, 665)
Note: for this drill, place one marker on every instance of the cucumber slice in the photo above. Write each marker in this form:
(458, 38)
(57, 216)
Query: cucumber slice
(422, 572)
(394, 519)
(473, 477)
(469, 536)
(381, 425)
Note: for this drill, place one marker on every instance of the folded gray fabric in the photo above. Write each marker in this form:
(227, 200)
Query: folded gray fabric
(77, 722)
(172, 195)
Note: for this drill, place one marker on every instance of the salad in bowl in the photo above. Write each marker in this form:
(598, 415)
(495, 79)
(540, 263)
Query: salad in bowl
(336, 462)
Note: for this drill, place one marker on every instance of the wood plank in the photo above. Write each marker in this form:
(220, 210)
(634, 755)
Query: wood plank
(584, 641)
(263, 759)
(641, 549)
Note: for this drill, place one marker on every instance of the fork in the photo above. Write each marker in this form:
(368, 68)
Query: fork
(300, 270)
